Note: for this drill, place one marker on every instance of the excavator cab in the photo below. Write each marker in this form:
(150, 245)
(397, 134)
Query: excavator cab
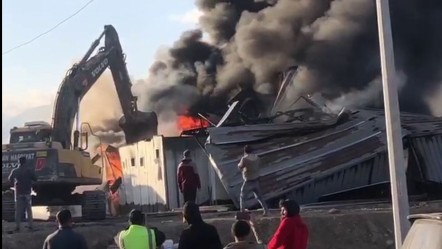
(38, 131)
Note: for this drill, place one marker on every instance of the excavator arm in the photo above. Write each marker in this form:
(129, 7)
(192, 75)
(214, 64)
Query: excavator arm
(136, 125)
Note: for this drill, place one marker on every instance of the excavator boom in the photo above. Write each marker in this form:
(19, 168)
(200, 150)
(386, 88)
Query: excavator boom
(136, 125)
(59, 165)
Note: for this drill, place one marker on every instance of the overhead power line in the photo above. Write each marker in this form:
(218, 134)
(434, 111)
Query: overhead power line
(48, 31)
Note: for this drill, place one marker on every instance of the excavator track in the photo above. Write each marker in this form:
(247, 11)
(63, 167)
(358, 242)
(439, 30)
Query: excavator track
(8, 206)
(93, 206)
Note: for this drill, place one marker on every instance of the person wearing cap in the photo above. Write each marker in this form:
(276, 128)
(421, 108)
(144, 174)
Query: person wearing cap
(199, 234)
(22, 178)
(64, 237)
(188, 177)
(138, 236)
(250, 165)
(292, 232)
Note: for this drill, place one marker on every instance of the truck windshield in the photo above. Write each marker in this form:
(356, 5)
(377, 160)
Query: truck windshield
(29, 136)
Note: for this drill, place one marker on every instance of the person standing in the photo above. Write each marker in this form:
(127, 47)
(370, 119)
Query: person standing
(138, 236)
(292, 232)
(250, 166)
(22, 178)
(64, 237)
(199, 234)
(188, 178)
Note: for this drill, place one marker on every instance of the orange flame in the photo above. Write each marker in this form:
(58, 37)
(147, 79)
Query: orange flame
(112, 162)
(186, 122)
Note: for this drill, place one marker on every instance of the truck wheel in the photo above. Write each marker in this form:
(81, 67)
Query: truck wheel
(8, 207)
(93, 205)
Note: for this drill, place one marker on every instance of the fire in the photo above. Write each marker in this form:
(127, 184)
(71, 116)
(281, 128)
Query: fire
(186, 122)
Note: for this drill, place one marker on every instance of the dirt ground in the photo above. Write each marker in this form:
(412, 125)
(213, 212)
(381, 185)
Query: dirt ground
(332, 227)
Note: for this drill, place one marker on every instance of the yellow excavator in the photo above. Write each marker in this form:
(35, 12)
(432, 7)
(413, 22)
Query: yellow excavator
(54, 151)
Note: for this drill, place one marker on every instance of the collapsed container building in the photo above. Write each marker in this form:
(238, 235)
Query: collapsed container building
(309, 153)
(313, 154)
(344, 159)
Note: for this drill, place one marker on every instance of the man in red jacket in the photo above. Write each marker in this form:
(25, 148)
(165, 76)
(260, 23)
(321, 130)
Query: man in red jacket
(292, 233)
(188, 178)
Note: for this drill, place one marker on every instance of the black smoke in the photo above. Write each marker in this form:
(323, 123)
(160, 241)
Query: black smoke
(334, 43)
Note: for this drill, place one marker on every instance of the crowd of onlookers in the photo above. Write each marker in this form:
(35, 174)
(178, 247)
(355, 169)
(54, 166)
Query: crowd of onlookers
(292, 233)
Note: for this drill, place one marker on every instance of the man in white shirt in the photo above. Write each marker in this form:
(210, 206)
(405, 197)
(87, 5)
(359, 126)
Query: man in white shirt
(249, 166)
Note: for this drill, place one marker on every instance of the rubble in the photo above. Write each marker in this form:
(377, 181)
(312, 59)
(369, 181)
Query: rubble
(318, 154)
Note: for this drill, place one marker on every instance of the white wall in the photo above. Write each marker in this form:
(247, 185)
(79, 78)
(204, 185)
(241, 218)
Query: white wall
(143, 173)
(156, 183)
(211, 187)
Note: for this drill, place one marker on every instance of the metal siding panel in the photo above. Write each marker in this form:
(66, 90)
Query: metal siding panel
(201, 160)
(135, 175)
(141, 183)
(429, 150)
(175, 153)
(380, 169)
(142, 175)
(125, 181)
(301, 162)
(170, 165)
(130, 178)
(161, 167)
(127, 173)
(144, 184)
(178, 146)
(158, 178)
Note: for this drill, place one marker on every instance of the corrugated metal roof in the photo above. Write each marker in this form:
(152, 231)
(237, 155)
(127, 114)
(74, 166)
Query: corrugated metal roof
(429, 152)
(294, 158)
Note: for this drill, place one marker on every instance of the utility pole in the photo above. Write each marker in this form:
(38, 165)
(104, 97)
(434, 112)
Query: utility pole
(399, 194)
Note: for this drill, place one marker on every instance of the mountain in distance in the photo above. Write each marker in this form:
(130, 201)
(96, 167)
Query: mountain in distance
(40, 113)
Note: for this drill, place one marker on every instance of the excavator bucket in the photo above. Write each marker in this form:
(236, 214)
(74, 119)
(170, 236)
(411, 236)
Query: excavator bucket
(140, 126)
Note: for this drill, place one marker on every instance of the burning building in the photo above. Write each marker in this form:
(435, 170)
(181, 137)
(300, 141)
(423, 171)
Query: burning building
(311, 153)
(334, 43)
(315, 155)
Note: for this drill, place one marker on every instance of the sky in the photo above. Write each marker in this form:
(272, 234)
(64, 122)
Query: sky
(32, 74)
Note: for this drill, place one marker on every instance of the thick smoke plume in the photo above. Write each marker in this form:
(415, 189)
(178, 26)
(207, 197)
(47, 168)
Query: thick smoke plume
(435, 102)
(334, 43)
(101, 109)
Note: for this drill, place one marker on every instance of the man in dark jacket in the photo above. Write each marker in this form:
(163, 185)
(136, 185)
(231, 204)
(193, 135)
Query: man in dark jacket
(22, 177)
(137, 235)
(188, 178)
(64, 237)
(292, 233)
(198, 235)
